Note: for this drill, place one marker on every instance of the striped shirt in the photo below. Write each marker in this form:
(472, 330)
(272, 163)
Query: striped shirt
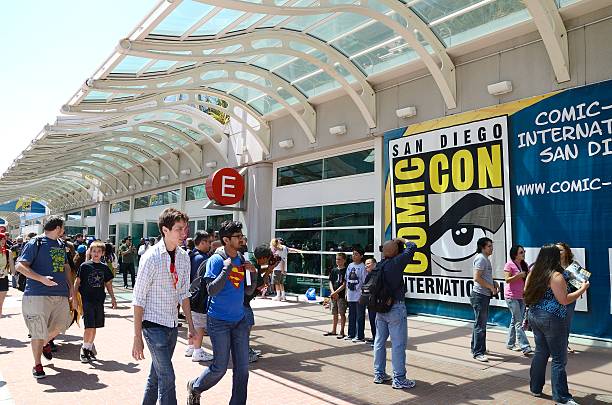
(155, 291)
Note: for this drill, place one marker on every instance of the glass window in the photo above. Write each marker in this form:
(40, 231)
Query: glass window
(124, 231)
(152, 230)
(197, 192)
(349, 164)
(303, 263)
(137, 232)
(300, 284)
(120, 206)
(343, 240)
(214, 221)
(73, 216)
(300, 173)
(303, 240)
(90, 212)
(112, 229)
(141, 202)
(359, 214)
(192, 228)
(91, 230)
(308, 217)
(201, 225)
(154, 200)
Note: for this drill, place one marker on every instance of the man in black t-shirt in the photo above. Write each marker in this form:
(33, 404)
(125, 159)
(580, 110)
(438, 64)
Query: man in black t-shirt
(92, 277)
(337, 285)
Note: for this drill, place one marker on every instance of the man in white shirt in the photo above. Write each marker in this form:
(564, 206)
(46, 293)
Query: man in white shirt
(162, 284)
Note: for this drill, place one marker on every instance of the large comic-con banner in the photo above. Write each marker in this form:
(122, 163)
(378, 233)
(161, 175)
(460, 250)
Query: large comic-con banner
(530, 172)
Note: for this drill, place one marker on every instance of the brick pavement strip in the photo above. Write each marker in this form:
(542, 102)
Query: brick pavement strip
(300, 366)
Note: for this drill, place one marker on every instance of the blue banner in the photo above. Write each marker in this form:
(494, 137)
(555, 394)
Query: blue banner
(23, 205)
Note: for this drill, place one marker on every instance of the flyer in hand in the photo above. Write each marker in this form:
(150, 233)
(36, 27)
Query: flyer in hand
(577, 275)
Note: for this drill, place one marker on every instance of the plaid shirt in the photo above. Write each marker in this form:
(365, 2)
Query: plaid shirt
(154, 289)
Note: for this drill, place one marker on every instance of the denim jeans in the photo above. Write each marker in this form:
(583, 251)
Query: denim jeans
(480, 304)
(372, 317)
(161, 341)
(356, 324)
(128, 268)
(515, 330)
(571, 308)
(550, 334)
(395, 324)
(227, 336)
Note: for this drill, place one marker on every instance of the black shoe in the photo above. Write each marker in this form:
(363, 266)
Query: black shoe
(47, 352)
(193, 398)
(92, 355)
(181, 316)
(85, 356)
(38, 372)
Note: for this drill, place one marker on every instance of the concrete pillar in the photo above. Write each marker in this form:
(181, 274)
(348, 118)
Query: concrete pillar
(379, 201)
(102, 218)
(256, 219)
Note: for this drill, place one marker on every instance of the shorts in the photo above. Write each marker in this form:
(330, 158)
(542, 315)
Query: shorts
(339, 306)
(248, 316)
(4, 284)
(199, 320)
(278, 277)
(93, 314)
(45, 314)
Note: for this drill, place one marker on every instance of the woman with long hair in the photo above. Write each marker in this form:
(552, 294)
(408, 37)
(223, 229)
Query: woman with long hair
(515, 272)
(567, 258)
(7, 267)
(546, 295)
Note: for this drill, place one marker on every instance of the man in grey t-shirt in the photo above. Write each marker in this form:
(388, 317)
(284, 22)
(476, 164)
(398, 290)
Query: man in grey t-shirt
(484, 288)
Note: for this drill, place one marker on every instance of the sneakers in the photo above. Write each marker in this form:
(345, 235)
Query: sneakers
(481, 357)
(527, 351)
(85, 355)
(193, 398)
(382, 378)
(47, 352)
(514, 348)
(201, 355)
(569, 402)
(357, 340)
(257, 352)
(341, 336)
(403, 385)
(189, 351)
(38, 372)
(349, 338)
(53, 346)
(536, 394)
(253, 357)
(92, 355)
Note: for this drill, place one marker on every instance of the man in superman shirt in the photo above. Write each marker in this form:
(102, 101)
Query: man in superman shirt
(227, 283)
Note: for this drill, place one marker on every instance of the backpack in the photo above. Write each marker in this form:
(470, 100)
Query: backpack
(352, 280)
(376, 294)
(198, 299)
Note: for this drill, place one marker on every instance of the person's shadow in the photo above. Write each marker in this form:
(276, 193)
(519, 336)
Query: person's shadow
(70, 380)
(112, 365)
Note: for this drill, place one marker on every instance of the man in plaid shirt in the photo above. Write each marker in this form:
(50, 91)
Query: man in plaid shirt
(162, 284)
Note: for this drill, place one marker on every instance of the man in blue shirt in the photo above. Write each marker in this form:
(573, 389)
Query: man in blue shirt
(49, 287)
(228, 279)
(397, 254)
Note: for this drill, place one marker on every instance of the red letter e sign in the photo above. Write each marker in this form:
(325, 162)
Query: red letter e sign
(225, 186)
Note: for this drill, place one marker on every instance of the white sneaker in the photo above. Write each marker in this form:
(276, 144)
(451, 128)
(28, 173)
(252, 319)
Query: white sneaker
(569, 402)
(482, 358)
(189, 351)
(201, 355)
(277, 298)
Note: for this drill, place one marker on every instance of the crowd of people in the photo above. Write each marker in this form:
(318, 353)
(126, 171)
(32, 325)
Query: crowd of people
(213, 278)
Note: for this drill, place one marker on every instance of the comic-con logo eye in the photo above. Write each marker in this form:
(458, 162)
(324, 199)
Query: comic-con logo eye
(454, 235)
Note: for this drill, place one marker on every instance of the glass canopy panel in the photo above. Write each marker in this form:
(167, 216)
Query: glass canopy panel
(295, 70)
(246, 93)
(274, 21)
(110, 168)
(266, 105)
(213, 74)
(161, 134)
(191, 133)
(431, 10)
(94, 95)
(386, 57)
(303, 22)
(182, 18)
(565, 3)
(364, 39)
(121, 162)
(218, 22)
(160, 66)
(271, 61)
(131, 64)
(90, 170)
(317, 84)
(490, 17)
(338, 25)
(248, 22)
(223, 86)
(229, 49)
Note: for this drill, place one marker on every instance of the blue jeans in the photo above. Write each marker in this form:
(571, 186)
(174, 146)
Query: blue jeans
(515, 330)
(395, 324)
(227, 336)
(356, 324)
(480, 304)
(550, 334)
(161, 341)
(571, 308)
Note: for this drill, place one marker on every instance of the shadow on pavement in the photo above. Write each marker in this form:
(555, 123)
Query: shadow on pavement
(70, 380)
(112, 365)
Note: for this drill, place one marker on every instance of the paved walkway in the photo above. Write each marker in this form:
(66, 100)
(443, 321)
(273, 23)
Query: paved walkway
(300, 366)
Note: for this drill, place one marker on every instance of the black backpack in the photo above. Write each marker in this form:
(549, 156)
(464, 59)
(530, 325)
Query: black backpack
(376, 294)
(198, 299)
(352, 280)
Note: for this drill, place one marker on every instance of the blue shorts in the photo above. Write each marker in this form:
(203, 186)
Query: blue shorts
(248, 314)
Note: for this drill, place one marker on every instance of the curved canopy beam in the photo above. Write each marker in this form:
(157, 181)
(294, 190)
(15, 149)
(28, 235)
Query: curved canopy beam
(445, 76)
(548, 20)
(176, 51)
(191, 80)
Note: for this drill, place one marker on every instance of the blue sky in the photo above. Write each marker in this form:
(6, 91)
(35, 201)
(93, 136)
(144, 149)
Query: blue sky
(49, 48)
